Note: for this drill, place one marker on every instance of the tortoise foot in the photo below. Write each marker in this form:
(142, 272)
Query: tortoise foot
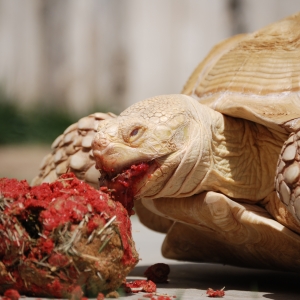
(287, 180)
(210, 227)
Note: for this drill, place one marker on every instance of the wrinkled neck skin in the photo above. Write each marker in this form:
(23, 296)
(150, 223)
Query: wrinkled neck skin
(226, 155)
(194, 160)
(245, 156)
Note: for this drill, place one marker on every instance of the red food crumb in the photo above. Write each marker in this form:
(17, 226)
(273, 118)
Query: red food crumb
(158, 273)
(149, 286)
(122, 187)
(136, 286)
(215, 293)
(163, 298)
(12, 294)
(158, 297)
(100, 296)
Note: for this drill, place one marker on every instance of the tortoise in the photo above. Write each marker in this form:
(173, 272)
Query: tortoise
(223, 157)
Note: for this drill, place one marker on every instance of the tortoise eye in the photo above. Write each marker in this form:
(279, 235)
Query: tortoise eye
(134, 136)
(134, 132)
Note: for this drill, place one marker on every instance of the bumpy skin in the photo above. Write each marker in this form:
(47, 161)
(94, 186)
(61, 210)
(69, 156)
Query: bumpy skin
(215, 152)
(287, 179)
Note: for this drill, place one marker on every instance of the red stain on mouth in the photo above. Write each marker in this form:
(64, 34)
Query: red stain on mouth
(122, 188)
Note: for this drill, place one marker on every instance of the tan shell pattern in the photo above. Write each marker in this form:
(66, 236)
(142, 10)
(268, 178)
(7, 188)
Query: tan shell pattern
(255, 76)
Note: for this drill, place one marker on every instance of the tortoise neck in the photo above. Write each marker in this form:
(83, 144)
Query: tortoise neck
(241, 151)
(195, 159)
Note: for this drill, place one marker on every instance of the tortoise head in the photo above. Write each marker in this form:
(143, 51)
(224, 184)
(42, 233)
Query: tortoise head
(161, 132)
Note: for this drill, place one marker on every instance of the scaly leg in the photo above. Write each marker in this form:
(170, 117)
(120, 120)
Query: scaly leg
(287, 180)
(210, 227)
(151, 220)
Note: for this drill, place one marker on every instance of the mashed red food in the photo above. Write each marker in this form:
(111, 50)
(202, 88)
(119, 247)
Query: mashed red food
(136, 286)
(215, 293)
(123, 187)
(62, 239)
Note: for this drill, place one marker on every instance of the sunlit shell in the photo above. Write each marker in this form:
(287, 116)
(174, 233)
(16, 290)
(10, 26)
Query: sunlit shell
(255, 76)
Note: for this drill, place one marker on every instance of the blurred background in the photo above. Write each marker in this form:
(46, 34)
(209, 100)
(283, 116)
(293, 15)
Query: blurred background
(61, 60)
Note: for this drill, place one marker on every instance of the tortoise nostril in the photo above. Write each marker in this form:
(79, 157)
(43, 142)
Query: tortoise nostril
(100, 141)
(98, 155)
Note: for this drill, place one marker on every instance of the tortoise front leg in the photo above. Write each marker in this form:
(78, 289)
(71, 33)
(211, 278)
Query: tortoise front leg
(151, 220)
(287, 179)
(210, 227)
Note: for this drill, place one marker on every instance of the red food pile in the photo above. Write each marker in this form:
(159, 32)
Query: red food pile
(57, 239)
(122, 187)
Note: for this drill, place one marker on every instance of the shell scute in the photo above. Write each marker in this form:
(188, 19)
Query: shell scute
(256, 76)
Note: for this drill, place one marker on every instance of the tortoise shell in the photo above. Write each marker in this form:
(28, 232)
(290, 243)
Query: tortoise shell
(254, 76)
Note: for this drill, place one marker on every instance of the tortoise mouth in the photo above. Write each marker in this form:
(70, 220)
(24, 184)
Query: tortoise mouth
(124, 173)
(125, 185)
